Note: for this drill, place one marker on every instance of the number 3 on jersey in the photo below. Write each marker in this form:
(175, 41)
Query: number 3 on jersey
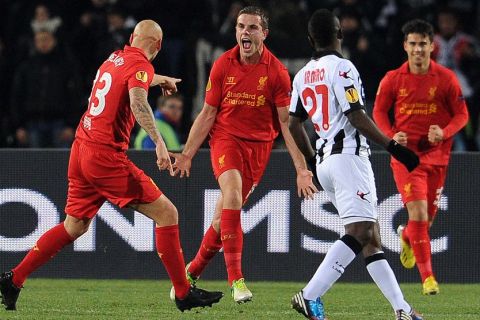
(98, 93)
(321, 91)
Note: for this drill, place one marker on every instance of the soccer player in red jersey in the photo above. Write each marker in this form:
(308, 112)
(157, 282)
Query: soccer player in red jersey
(246, 104)
(99, 169)
(429, 110)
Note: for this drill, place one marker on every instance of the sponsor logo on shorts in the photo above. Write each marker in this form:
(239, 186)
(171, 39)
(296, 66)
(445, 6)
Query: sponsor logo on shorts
(221, 161)
(362, 195)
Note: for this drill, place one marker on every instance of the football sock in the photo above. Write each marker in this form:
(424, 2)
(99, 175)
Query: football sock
(170, 252)
(404, 235)
(209, 247)
(338, 257)
(47, 246)
(383, 275)
(420, 242)
(232, 241)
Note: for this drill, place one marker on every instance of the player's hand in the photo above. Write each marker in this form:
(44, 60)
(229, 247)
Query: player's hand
(312, 166)
(305, 186)
(182, 164)
(163, 158)
(435, 134)
(404, 155)
(168, 84)
(401, 137)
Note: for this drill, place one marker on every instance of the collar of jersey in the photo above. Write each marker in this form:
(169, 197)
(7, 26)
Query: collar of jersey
(128, 48)
(431, 69)
(235, 54)
(323, 53)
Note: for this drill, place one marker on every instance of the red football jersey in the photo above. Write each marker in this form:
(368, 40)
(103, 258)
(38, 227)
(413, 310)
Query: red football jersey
(247, 95)
(421, 100)
(109, 119)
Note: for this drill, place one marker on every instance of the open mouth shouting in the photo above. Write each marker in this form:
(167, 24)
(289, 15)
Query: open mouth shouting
(246, 44)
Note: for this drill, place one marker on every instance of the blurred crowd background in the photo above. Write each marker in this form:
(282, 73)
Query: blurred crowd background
(50, 50)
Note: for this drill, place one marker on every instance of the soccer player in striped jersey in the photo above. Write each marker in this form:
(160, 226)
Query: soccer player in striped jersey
(329, 91)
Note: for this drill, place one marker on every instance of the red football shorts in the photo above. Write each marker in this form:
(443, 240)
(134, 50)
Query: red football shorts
(424, 183)
(249, 157)
(97, 173)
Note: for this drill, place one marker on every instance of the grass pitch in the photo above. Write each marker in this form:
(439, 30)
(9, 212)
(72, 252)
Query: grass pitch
(142, 299)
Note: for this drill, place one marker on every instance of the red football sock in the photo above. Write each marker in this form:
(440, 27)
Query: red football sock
(47, 246)
(420, 242)
(232, 240)
(405, 235)
(170, 252)
(211, 243)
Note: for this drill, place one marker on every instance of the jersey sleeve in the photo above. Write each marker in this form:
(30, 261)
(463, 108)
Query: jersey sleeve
(296, 107)
(347, 87)
(458, 107)
(140, 75)
(213, 91)
(282, 88)
(384, 101)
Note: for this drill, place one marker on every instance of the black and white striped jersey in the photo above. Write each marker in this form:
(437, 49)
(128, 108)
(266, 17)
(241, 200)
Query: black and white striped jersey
(326, 89)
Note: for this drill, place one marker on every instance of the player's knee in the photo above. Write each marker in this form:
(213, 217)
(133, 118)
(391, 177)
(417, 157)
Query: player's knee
(232, 199)
(76, 229)
(363, 232)
(170, 213)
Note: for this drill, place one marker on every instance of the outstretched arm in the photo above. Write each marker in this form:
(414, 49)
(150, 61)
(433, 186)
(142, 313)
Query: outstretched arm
(144, 116)
(305, 185)
(199, 131)
(168, 84)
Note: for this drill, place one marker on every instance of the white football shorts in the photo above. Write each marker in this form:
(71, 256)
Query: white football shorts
(349, 182)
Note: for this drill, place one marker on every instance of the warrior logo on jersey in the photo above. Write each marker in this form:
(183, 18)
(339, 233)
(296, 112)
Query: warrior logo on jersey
(230, 80)
(402, 92)
(261, 82)
(221, 161)
(352, 95)
(209, 85)
(141, 76)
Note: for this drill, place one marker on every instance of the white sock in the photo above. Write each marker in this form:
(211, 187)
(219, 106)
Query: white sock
(383, 275)
(338, 257)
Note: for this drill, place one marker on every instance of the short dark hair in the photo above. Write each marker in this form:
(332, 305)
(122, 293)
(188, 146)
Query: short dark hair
(162, 100)
(321, 28)
(418, 26)
(256, 11)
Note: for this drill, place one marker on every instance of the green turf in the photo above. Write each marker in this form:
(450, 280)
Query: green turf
(140, 299)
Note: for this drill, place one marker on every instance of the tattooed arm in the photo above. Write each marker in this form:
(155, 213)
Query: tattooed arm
(144, 115)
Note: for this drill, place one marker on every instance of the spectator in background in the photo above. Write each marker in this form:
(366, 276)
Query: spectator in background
(44, 100)
(116, 35)
(360, 48)
(43, 21)
(168, 117)
(458, 51)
